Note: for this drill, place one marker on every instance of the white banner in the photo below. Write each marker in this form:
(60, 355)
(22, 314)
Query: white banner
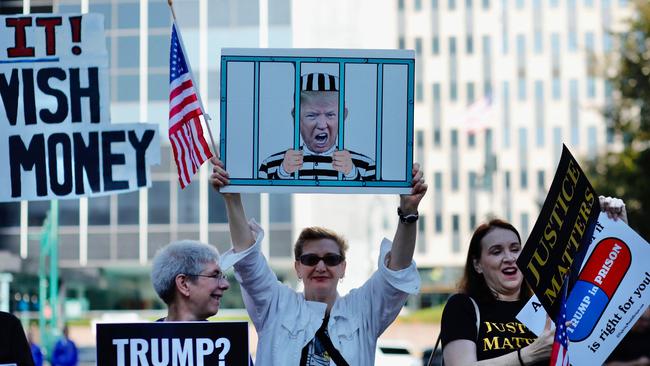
(611, 294)
(56, 139)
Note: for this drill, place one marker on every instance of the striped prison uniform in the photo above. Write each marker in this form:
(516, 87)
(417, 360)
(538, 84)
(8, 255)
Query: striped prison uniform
(318, 167)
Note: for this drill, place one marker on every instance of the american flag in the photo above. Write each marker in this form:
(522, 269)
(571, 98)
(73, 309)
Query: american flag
(478, 116)
(185, 131)
(560, 352)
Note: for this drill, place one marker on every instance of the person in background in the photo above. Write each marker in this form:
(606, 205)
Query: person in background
(14, 348)
(37, 354)
(492, 292)
(65, 351)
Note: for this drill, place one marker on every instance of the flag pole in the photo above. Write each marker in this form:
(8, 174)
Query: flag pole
(198, 94)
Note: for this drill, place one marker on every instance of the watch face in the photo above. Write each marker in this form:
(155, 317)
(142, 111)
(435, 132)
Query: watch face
(410, 219)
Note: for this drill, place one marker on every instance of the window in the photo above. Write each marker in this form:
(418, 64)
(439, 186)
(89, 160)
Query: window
(451, 4)
(159, 15)
(106, 11)
(469, 23)
(438, 223)
(419, 146)
(158, 199)
(573, 112)
(506, 113)
(419, 92)
(437, 178)
(128, 208)
(280, 209)
(591, 65)
(69, 212)
(128, 48)
(539, 113)
(418, 46)
(487, 66)
(541, 180)
(418, 5)
(557, 143)
(159, 51)
(9, 214)
(128, 88)
(279, 12)
(453, 83)
(505, 33)
(188, 204)
(469, 44)
(572, 20)
(454, 138)
(128, 16)
(421, 237)
(401, 44)
(537, 26)
(592, 142)
(523, 157)
(521, 67)
(524, 226)
(99, 210)
(158, 85)
(455, 244)
(470, 93)
(437, 114)
(435, 45)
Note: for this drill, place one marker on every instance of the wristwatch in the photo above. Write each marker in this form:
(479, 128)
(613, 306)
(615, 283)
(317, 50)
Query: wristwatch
(407, 219)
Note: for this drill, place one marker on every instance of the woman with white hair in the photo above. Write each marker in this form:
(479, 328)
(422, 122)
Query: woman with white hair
(188, 277)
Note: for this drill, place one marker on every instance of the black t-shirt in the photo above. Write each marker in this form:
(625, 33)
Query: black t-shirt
(499, 332)
(13, 343)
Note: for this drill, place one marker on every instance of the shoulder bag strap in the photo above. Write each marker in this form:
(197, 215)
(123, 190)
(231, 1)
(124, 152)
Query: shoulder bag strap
(435, 347)
(478, 316)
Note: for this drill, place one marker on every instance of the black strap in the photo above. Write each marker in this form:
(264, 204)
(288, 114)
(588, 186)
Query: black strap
(325, 340)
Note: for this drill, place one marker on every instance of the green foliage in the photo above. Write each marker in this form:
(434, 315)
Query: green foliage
(427, 315)
(626, 173)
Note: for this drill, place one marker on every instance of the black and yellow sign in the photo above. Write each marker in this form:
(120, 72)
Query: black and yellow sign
(561, 233)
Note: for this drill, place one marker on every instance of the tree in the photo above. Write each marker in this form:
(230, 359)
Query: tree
(626, 173)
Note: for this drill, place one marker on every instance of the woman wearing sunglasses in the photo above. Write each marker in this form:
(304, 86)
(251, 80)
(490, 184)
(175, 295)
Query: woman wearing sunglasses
(319, 327)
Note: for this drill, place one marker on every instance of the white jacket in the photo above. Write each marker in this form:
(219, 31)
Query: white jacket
(286, 322)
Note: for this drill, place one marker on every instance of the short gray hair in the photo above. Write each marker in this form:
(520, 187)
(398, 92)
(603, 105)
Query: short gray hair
(179, 257)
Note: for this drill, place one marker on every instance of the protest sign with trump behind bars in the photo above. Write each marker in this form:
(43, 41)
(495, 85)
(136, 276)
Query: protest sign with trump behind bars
(557, 240)
(57, 140)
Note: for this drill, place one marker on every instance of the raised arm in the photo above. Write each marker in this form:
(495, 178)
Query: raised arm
(240, 232)
(401, 253)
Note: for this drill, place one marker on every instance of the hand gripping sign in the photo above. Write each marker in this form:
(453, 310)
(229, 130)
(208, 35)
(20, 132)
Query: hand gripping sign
(56, 139)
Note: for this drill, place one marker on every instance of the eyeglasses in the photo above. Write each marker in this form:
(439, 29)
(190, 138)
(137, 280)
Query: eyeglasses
(329, 259)
(217, 276)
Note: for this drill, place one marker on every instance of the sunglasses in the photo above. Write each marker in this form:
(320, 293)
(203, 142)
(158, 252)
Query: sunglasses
(329, 259)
